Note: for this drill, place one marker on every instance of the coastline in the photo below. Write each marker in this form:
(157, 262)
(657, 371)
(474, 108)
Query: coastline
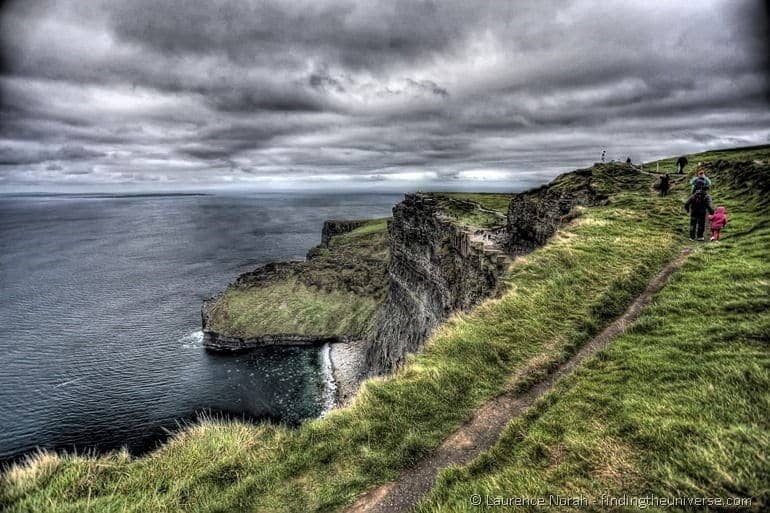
(348, 361)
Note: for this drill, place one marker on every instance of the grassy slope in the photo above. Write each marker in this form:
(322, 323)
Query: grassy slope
(561, 294)
(668, 165)
(678, 406)
(335, 293)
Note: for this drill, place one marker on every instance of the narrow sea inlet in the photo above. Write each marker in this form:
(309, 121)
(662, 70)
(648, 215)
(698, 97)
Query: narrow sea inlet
(101, 344)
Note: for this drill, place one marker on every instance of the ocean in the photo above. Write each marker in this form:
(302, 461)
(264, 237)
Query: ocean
(101, 345)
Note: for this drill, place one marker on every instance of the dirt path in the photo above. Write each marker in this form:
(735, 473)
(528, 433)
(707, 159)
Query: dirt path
(483, 429)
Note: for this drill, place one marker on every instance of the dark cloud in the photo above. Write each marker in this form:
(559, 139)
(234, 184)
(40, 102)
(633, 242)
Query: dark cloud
(324, 82)
(204, 152)
(73, 152)
(255, 100)
(263, 91)
(355, 34)
(18, 156)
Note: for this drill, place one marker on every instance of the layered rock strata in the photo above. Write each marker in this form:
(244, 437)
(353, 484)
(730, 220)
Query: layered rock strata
(534, 216)
(436, 268)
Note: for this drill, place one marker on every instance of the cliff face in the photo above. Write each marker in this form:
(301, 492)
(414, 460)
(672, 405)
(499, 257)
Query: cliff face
(437, 264)
(435, 268)
(534, 216)
(334, 227)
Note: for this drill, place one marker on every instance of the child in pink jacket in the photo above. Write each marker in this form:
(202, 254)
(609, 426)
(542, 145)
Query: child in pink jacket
(718, 221)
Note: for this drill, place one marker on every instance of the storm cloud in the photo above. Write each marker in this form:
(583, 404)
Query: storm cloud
(378, 94)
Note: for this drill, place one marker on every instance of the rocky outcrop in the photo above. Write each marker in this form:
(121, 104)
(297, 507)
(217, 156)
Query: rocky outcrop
(334, 227)
(350, 266)
(435, 269)
(534, 216)
(263, 275)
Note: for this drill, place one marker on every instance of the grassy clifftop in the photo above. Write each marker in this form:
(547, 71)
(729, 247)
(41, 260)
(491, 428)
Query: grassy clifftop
(474, 210)
(680, 403)
(755, 154)
(336, 292)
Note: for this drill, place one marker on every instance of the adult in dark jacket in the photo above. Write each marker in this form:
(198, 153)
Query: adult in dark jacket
(665, 184)
(698, 206)
(680, 164)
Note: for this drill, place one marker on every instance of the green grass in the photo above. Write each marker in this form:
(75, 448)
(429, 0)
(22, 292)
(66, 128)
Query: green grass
(361, 235)
(335, 293)
(491, 201)
(291, 307)
(678, 406)
(474, 210)
(761, 153)
(558, 297)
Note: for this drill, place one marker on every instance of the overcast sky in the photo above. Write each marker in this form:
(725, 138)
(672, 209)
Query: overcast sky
(179, 94)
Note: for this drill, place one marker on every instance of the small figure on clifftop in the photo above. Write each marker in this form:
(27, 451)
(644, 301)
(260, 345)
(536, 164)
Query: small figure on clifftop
(718, 221)
(698, 205)
(628, 160)
(665, 184)
(700, 181)
(680, 164)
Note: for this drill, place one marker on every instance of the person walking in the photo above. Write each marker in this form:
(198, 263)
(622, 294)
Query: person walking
(718, 221)
(680, 164)
(700, 181)
(665, 184)
(698, 205)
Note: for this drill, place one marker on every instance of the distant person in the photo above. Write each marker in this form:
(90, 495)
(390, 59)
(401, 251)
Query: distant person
(665, 184)
(698, 205)
(718, 221)
(700, 181)
(680, 164)
(604, 155)
(628, 161)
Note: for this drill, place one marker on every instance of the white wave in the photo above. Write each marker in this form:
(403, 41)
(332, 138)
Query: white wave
(329, 395)
(193, 340)
(69, 382)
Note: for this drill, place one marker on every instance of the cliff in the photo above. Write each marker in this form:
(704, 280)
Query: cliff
(436, 268)
(449, 251)
(534, 216)
(334, 227)
(443, 253)
(330, 297)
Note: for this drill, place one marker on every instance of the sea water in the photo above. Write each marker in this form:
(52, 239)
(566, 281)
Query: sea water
(100, 345)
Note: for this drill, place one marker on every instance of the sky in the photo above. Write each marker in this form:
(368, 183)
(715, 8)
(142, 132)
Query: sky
(393, 94)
